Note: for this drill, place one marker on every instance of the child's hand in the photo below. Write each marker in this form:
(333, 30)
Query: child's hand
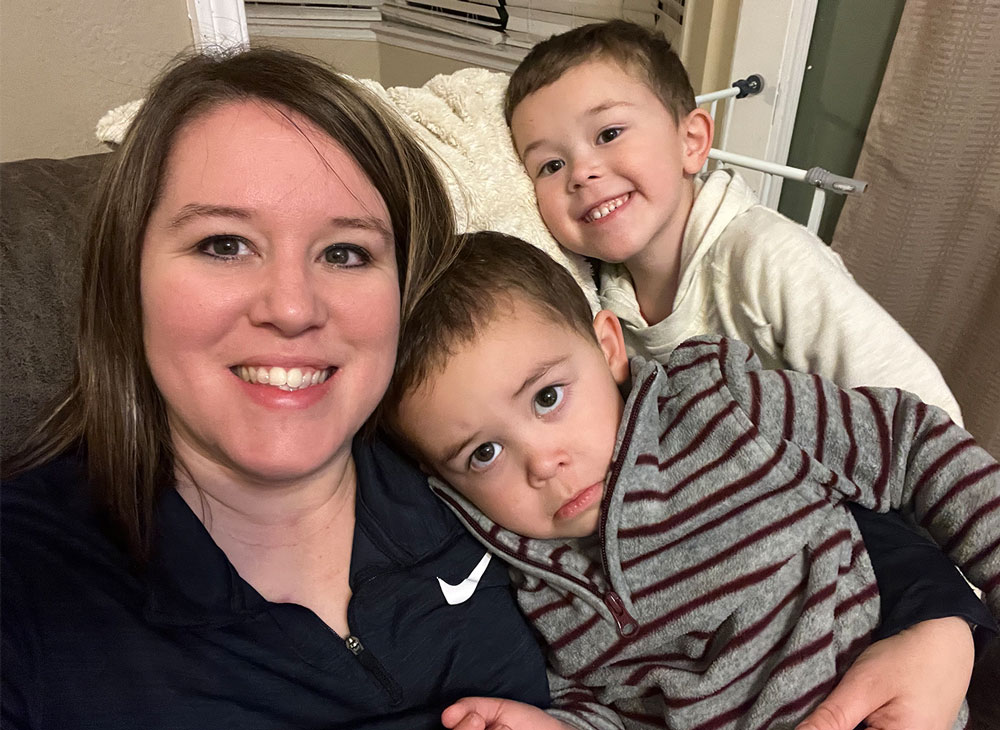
(915, 680)
(491, 713)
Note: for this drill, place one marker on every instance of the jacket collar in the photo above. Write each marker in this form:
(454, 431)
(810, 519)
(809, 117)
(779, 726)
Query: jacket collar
(398, 522)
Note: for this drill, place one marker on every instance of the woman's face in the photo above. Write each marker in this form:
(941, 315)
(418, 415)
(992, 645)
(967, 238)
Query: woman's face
(270, 295)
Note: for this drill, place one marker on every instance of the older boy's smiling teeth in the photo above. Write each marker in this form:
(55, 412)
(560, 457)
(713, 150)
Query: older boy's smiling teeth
(606, 208)
(289, 379)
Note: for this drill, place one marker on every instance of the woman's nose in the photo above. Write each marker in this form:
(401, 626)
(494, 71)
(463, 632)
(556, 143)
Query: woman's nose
(289, 299)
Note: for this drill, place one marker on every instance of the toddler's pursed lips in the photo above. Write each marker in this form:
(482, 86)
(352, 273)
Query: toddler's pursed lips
(581, 501)
(297, 378)
(606, 208)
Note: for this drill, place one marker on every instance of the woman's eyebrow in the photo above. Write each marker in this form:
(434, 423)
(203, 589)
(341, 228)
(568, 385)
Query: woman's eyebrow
(366, 223)
(198, 210)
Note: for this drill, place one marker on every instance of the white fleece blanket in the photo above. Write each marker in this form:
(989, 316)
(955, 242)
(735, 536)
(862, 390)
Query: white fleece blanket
(459, 119)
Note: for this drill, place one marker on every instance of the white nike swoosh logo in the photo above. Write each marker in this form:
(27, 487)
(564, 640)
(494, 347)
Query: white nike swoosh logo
(462, 592)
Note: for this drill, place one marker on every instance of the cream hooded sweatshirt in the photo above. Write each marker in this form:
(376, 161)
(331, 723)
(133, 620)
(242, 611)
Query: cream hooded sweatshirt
(750, 273)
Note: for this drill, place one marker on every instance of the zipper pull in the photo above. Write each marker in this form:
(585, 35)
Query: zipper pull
(354, 645)
(626, 624)
(372, 664)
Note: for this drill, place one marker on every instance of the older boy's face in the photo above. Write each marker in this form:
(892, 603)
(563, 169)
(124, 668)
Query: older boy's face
(608, 164)
(523, 421)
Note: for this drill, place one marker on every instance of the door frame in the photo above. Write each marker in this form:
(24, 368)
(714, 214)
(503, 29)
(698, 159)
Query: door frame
(218, 23)
(772, 39)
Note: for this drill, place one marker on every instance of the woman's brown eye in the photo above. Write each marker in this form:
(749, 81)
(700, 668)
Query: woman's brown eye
(223, 247)
(337, 256)
(345, 255)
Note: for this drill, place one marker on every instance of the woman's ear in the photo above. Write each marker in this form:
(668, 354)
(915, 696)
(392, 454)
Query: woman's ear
(609, 336)
(695, 131)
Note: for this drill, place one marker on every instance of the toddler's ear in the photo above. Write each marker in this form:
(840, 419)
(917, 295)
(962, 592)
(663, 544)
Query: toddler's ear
(609, 335)
(696, 131)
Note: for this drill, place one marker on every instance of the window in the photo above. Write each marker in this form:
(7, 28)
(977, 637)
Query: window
(492, 33)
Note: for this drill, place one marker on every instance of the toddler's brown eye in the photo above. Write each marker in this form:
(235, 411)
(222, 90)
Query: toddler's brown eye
(547, 397)
(608, 135)
(551, 167)
(484, 453)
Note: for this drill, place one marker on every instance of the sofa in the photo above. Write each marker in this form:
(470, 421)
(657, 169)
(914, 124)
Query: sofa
(43, 209)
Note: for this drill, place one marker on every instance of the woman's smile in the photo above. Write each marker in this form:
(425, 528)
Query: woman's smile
(297, 378)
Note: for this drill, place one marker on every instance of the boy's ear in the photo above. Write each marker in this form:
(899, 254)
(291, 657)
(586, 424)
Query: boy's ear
(609, 336)
(696, 130)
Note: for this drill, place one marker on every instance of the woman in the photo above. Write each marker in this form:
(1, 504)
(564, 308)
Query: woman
(202, 538)
(249, 563)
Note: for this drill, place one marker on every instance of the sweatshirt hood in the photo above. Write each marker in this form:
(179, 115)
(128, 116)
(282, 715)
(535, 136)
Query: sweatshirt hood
(719, 197)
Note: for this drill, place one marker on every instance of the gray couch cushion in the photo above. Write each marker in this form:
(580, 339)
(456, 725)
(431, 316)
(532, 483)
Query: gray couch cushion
(43, 209)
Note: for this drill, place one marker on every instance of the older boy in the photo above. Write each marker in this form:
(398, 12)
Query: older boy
(604, 119)
(713, 575)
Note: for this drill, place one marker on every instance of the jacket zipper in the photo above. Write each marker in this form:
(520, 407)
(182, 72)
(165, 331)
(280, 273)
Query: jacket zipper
(373, 665)
(368, 660)
(627, 625)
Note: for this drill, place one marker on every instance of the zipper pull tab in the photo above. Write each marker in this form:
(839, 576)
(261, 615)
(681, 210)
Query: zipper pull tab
(354, 645)
(626, 624)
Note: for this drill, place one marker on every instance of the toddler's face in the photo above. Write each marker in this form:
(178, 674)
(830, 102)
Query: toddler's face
(523, 421)
(609, 163)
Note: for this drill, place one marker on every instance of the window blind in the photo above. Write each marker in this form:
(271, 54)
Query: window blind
(482, 20)
(535, 20)
(513, 23)
(318, 14)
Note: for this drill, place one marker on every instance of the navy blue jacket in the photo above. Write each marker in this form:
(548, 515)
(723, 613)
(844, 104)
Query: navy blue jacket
(88, 642)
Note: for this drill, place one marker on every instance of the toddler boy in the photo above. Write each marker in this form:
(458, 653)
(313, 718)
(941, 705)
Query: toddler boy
(686, 553)
(604, 119)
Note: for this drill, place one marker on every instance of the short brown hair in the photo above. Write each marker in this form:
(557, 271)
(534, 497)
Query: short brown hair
(490, 269)
(112, 408)
(643, 53)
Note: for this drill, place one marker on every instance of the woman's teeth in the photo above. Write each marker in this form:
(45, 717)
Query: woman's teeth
(605, 208)
(290, 379)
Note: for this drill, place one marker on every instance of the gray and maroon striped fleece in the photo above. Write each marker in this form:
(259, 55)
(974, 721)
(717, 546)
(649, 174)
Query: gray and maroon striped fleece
(730, 587)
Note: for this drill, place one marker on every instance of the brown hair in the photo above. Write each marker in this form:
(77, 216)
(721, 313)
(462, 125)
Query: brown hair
(489, 270)
(645, 54)
(112, 407)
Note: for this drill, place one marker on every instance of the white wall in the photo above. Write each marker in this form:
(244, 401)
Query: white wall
(357, 58)
(63, 63)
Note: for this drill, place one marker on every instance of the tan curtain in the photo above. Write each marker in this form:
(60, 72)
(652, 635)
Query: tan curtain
(925, 238)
